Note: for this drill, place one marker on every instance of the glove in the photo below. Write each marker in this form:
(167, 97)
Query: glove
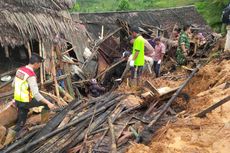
(131, 63)
(159, 62)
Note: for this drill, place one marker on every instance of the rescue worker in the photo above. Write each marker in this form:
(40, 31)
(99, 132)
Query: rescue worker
(26, 93)
(183, 45)
(137, 62)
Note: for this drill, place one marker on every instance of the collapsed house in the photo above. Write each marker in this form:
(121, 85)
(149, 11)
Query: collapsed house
(110, 122)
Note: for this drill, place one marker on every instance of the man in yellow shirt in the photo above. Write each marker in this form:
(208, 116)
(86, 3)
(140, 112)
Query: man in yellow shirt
(138, 61)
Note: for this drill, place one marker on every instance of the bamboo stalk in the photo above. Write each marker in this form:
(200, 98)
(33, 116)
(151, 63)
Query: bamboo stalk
(54, 74)
(43, 64)
(41, 67)
(6, 48)
(67, 51)
(60, 102)
(68, 80)
(66, 94)
(29, 49)
(113, 139)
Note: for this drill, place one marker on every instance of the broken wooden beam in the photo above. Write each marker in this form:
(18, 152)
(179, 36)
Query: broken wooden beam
(173, 97)
(214, 106)
(55, 121)
(113, 139)
(83, 117)
(152, 88)
(111, 67)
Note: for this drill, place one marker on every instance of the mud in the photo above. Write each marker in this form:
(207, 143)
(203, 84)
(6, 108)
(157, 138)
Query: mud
(191, 134)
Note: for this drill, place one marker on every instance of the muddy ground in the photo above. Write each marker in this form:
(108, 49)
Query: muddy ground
(191, 134)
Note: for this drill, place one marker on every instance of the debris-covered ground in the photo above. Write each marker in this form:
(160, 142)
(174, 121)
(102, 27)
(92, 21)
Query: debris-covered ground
(191, 134)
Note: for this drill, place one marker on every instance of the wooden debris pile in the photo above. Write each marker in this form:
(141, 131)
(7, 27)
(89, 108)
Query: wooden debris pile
(103, 124)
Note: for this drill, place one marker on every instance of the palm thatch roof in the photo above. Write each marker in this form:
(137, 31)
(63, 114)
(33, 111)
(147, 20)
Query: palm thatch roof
(163, 18)
(23, 20)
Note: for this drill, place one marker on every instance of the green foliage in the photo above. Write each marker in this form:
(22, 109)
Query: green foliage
(123, 5)
(210, 9)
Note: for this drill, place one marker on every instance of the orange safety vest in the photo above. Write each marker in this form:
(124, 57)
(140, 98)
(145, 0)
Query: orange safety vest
(22, 92)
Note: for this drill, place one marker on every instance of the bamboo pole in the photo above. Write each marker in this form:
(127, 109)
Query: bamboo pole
(7, 54)
(42, 66)
(113, 138)
(29, 49)
(68, 80)
(165, 108)
(54, 73)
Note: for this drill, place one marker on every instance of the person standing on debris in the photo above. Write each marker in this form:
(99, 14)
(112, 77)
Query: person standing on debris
(183, 45)
(137, 62)
(158, 56)
(226, 20)
(26, 93)
(94, 89)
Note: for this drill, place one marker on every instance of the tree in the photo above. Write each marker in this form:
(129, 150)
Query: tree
(212, 11)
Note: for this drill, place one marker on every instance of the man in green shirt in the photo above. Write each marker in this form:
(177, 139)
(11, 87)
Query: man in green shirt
(138, 61)
(183, 45)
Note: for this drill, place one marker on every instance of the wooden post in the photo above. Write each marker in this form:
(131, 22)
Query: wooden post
(68, 80)
(29, 49)
(6, 48)
(54, 73)
(42, 66)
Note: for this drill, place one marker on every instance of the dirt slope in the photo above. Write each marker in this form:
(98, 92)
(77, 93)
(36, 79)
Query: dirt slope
(194, 135)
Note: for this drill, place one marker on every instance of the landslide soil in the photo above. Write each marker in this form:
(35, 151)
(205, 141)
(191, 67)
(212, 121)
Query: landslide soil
(191, 134)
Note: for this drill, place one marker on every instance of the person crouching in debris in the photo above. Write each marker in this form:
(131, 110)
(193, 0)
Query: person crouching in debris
(183, 45)
(137, 62)
(26, 93)
(94, 89)
(158, 56)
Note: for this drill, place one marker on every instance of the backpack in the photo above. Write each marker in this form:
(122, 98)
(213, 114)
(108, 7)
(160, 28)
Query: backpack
(226, 15)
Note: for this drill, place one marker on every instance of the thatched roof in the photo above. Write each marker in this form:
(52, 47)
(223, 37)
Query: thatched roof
(23, 20)
(164, 18)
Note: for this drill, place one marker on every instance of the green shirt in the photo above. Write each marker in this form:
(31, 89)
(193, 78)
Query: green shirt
(183, 39)
(138, 45)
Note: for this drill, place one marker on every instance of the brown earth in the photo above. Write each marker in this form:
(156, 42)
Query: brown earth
(191, 134)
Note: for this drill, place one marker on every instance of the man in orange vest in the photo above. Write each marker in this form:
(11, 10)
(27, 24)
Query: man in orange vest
(26, 93)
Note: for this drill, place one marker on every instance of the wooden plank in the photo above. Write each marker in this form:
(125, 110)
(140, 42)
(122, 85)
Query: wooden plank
(173, 98)
(214, 106)
(152, 88)
(113, 138)
(68, 80)
(55, 121)
(54, 73)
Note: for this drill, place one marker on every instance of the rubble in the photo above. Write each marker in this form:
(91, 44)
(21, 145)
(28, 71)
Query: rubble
(160, 113)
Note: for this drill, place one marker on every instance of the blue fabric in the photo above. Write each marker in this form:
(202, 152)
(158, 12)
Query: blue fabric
(62, 82)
